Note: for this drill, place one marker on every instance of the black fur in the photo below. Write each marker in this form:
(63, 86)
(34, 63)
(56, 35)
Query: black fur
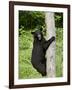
(40, 45)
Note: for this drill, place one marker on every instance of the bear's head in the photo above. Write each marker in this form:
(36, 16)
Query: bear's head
(37, 35)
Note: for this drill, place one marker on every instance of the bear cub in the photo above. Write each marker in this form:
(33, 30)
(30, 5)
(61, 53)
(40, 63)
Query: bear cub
(40, 45)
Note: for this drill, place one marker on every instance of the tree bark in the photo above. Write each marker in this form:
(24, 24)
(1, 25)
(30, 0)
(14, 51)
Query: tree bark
(50, 54)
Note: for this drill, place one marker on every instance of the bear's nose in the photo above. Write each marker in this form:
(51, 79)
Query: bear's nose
(39, 37)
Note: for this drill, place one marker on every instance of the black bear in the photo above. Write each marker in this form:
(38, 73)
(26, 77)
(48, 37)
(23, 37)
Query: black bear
(40, 45)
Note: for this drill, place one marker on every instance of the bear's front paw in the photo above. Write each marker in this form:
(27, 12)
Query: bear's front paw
(53, 38)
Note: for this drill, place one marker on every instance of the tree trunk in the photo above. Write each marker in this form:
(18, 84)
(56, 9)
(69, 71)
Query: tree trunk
(50, 54)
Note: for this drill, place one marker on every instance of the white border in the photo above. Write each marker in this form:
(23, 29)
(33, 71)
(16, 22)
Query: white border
(41, 80)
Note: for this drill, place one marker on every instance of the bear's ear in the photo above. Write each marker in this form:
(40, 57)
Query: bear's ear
(32, 32)
(41, 28)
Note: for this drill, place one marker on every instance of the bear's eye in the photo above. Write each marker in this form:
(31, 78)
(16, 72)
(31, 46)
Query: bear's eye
(35, 36)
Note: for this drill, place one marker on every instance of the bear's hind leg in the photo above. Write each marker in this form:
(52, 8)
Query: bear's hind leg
(42, 69)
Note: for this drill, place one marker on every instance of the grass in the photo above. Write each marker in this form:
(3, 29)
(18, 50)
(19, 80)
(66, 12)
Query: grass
(26, 69)
(59, 52)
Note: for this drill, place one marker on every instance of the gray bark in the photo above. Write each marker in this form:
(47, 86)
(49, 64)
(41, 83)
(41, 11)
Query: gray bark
(50, 54)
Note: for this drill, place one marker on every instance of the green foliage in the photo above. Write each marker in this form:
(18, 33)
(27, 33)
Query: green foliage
(30, 19)
(59, 20)
(26, 69)
(24, 40)
(59, 52)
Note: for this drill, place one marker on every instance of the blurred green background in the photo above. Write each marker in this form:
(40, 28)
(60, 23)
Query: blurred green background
(28, 20)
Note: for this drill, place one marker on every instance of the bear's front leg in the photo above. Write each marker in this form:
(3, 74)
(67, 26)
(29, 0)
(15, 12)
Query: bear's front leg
(47, 43)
